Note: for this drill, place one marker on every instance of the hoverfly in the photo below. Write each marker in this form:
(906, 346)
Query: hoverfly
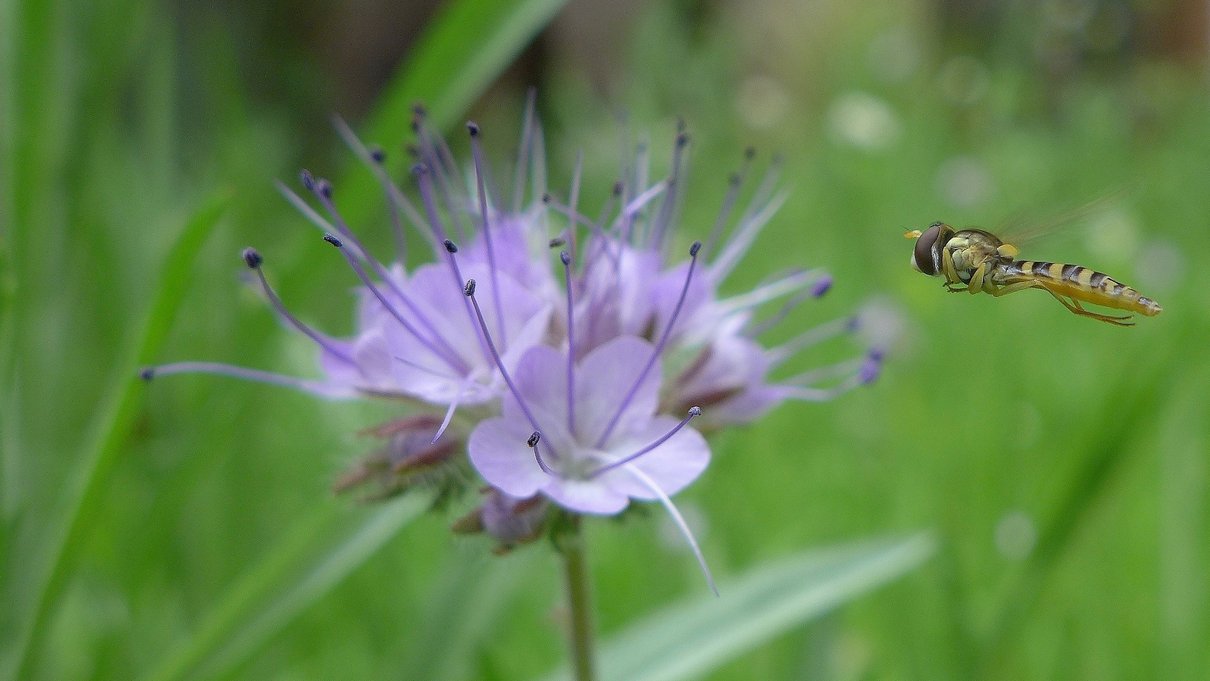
(974, 260)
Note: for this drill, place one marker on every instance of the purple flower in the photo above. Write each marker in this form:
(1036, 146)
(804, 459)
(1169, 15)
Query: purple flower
(585, 369)
(601, 441)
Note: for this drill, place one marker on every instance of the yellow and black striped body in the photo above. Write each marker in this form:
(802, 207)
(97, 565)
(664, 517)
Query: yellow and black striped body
(1078, 282)
(976, 261)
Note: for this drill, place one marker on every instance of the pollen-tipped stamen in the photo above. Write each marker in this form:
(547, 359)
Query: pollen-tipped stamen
(444, 351)
(860, 372)
(814, 291)
(477, 154)
(521, 171)
(565, 258)
(760, 211)
(734, 184)
(441, 164)
(574, 202)
(657, 350)
(692, 413)
(242, 373)
(451, 249)
(397, 203)
(812, 337)
(772, 290)
(672, 198)
(532, 442)
(252, 258)
(486, 335)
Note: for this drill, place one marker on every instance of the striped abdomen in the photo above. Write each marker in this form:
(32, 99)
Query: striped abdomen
(1081, 283)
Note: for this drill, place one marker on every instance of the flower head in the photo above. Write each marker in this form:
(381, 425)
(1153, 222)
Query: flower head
(578, 358)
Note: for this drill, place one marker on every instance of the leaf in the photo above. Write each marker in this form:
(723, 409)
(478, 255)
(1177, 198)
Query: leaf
(687, 640)
(463, 50)
(314, 557)
(85, 489)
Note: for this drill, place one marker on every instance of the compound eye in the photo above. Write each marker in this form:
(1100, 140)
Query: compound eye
(925, 254)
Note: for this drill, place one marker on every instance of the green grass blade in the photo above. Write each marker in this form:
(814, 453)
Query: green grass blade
(314, 557)
(115, 415)
(462, 51)
(687, 640)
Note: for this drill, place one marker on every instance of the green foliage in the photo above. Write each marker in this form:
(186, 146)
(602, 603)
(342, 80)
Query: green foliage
(184, 529)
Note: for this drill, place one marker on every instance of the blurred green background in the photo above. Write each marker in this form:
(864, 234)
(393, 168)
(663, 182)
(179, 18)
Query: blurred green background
(1062, 463)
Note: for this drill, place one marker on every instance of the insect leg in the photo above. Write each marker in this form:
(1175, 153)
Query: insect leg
(953, 283)
(1074, 306)
(976, 283)
(997, 290)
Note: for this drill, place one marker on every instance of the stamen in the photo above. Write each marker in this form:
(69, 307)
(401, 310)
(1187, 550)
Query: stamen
(538, 179)
(575, 200)
(533, 444)
(477, 153)
(451, 248)
(469, 290)
(424, 181)
(816, 290)
(430, 146)
(449, 412)
(724, 213)
(870, 367)
(527, 133)
(565, 258)
(396, 201)
(319, 388)
(812, 337)
(745, 234)
(252, 258)
(659, 347)
(574, 218)
(693, 413)
(672, 199)
(770, 291)
(444, 351)
(678, 520)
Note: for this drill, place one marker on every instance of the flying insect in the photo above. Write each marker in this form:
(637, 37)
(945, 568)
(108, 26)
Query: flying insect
(974, 260)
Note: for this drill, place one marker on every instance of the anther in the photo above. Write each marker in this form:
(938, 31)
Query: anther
(693, 249)
(378, 155)
(533, 441)
(682, 139)
(749, 153)
(871, 368)
(547, 198)
(469, 289)
(252, 258)
(323, 188)
(472, 128)
(565, 257)
(450, 246)
(822, 286)
(307, 179)
(557, 242)
(147, 373)
(333, 240)
(693, 413)
(618, 188)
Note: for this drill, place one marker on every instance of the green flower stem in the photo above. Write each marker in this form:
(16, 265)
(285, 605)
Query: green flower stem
(571, 547)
